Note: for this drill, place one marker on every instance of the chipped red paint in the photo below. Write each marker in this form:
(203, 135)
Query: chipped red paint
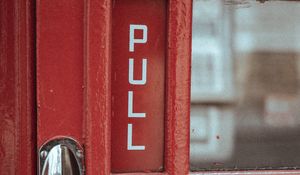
(178, 87)
(97, 83)
(17, 102)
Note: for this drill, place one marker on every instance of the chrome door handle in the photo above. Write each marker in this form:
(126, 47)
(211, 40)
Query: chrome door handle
(62, 156)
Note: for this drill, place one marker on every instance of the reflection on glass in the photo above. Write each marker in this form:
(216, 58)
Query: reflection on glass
(211, 56)
(245, 110)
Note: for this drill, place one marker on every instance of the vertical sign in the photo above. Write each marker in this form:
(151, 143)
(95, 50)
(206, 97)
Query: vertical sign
(138, 85)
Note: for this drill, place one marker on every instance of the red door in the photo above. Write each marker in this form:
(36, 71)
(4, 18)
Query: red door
(67, 75)
(105, 82)
(111, 69)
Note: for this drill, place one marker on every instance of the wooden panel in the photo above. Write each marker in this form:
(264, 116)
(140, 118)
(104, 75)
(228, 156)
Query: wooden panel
(138, 39)
(17, 92)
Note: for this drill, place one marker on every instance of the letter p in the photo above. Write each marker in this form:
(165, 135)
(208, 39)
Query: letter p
(133, 40)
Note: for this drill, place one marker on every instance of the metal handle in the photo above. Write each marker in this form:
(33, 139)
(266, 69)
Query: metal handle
(62, 156)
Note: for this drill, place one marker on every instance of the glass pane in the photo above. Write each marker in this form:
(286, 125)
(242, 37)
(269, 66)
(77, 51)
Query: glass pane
(245, 85)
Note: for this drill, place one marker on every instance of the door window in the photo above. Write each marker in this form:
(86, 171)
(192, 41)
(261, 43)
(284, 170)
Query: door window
(245, 85)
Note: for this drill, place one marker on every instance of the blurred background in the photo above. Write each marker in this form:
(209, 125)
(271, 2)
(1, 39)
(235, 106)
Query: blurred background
(245, 105)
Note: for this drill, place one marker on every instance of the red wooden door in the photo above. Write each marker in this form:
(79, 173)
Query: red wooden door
(56, 81)
(85, 51)
(102, 60)
(68, 58)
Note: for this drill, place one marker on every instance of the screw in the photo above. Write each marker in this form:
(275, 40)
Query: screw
(79, 153)
(44, 154)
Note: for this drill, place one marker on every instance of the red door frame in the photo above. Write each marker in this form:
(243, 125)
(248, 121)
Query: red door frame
(177, 88)
(18, 58)
(17, 87)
